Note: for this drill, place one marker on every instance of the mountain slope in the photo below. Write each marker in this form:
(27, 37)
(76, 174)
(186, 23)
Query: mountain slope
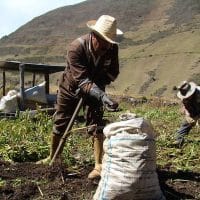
(166, 51)
(160, 48)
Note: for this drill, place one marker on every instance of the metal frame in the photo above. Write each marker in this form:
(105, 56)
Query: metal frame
(23, 67)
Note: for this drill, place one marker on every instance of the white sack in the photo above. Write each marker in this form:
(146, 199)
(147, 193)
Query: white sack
(8, 103)
(129, 163)
(36, 93)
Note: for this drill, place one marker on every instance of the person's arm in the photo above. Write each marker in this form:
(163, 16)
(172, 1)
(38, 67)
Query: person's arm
(77, 62)
(100, 95)
(78, 66)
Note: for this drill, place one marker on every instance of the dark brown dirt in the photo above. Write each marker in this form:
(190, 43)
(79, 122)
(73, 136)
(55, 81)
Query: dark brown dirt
(26, 181)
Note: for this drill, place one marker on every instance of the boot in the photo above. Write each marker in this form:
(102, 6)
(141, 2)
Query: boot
(55, 139)
(98, 153)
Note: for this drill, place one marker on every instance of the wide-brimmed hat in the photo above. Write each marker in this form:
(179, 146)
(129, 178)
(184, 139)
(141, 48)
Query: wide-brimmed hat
(186, 89)
(106, 27)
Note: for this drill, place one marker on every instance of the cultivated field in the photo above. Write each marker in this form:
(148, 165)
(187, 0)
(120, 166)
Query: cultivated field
(24, 141)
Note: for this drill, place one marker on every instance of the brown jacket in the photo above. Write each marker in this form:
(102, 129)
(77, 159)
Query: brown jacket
(81, 67)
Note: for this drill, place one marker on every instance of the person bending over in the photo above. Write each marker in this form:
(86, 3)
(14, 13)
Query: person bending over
(92, 64)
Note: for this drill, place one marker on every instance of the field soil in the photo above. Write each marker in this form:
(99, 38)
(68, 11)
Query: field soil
(25, 181)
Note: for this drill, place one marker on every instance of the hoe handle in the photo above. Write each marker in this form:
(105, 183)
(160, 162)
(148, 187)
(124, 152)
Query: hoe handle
(67, 131)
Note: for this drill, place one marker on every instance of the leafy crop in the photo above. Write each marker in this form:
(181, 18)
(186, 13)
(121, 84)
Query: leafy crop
(28, 139)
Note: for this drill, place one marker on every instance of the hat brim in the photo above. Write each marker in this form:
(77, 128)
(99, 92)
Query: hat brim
(119, 33)
(189, 93)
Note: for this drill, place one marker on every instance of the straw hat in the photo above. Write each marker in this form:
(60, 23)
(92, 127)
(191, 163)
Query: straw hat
(106, 27)
(186, 90)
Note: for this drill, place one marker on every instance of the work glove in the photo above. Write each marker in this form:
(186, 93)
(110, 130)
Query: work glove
(109, 104)
(100, 95)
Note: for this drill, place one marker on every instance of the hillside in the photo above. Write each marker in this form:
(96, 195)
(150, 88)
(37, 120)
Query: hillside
(160, 46)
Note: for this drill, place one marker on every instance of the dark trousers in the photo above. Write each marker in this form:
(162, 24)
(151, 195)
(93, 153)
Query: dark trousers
(183, 130)
(65, 107)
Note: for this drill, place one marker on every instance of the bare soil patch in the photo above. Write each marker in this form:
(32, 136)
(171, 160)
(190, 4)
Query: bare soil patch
(24, 181)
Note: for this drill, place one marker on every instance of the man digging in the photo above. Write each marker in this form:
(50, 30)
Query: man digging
(92, 64)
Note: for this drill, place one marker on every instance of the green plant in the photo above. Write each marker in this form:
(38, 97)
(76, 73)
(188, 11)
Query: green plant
(2, 182)
(27, 139)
